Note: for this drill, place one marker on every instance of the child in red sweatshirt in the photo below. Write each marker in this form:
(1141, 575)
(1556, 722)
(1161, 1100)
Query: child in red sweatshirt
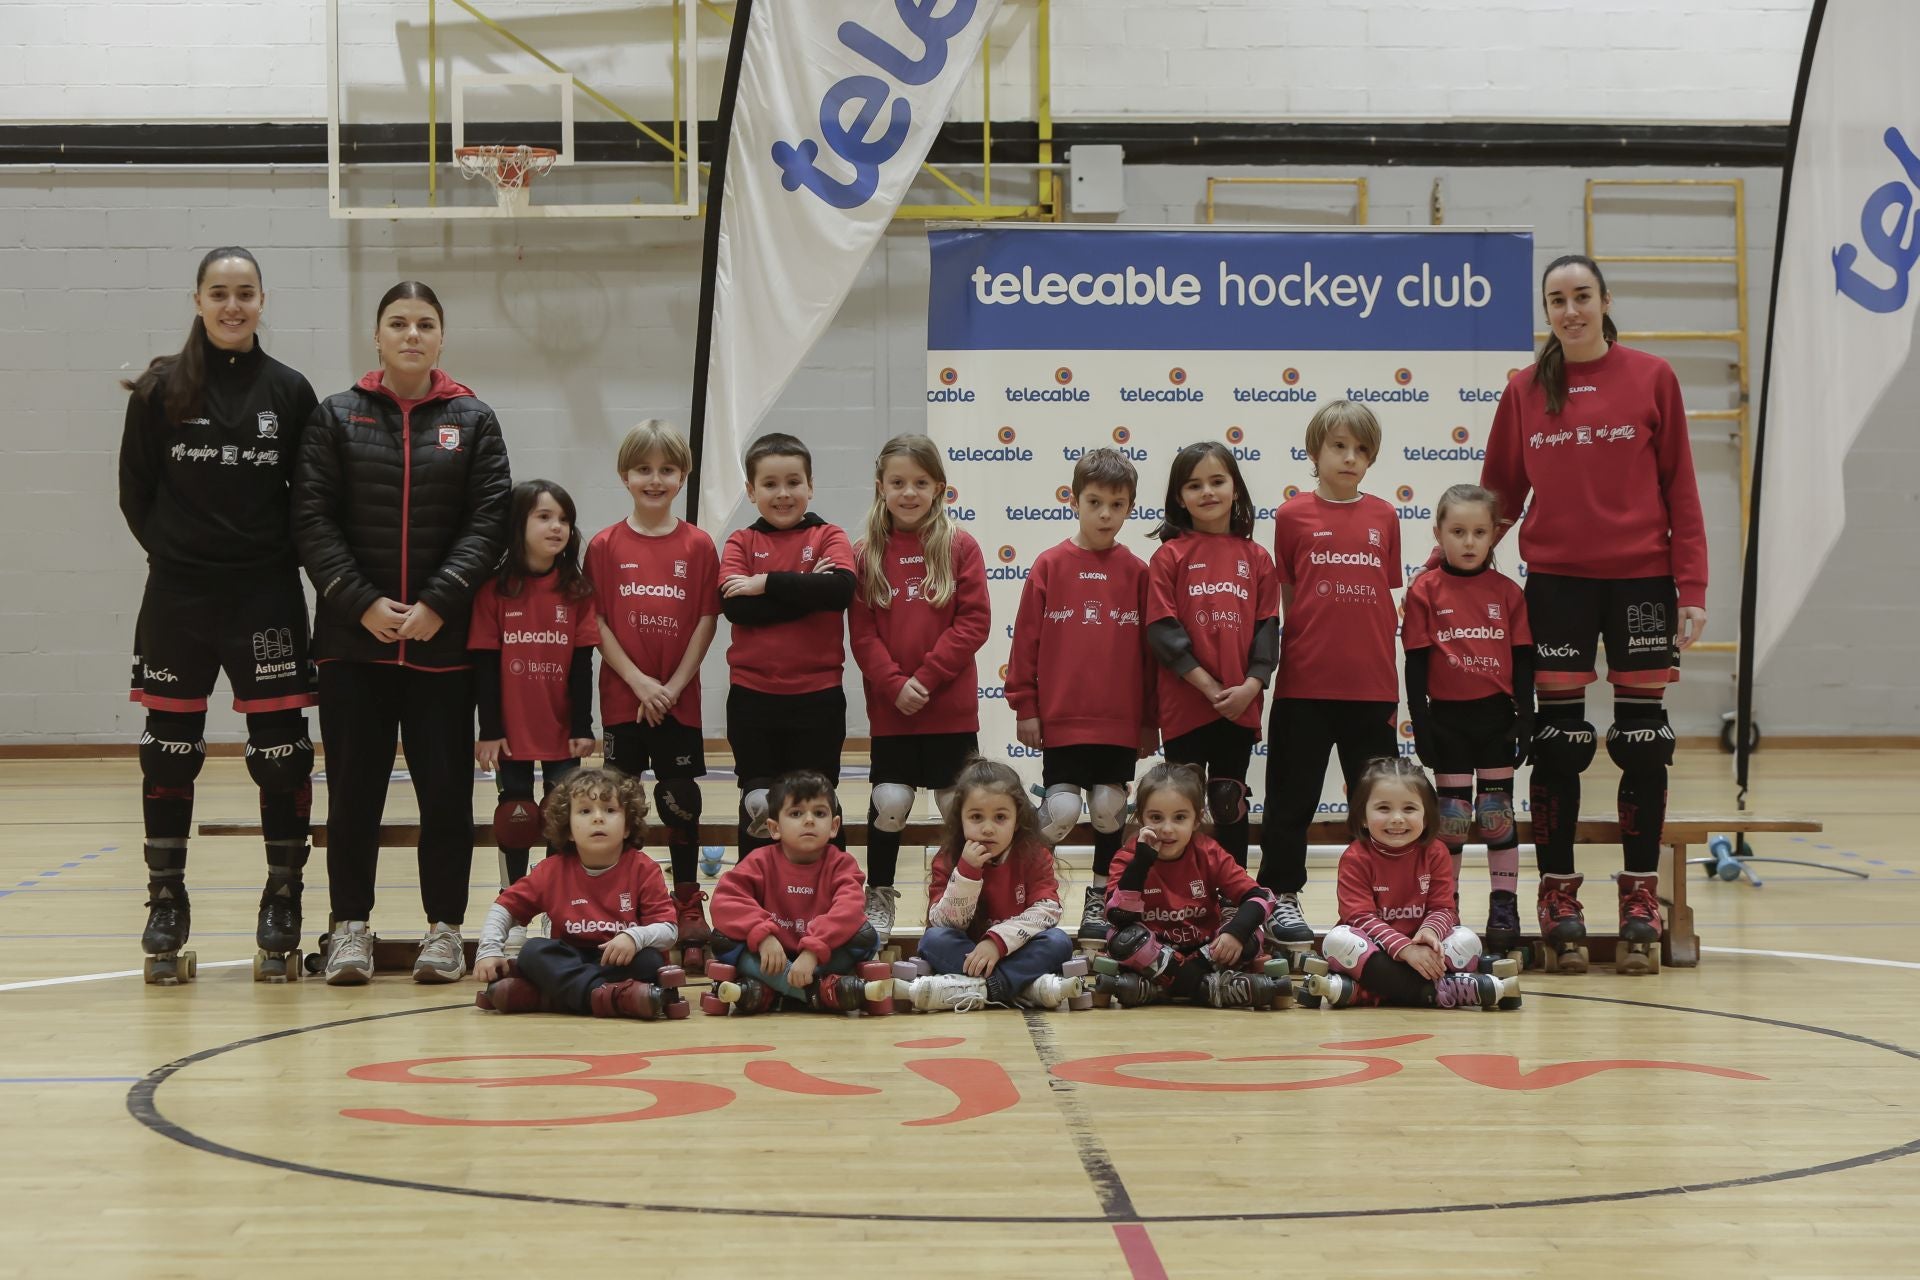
(612, 918)
(919, 615)
(791, 916)
(1400, 940)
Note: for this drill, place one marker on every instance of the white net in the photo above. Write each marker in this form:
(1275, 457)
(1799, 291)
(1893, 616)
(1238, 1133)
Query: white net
(511, 170)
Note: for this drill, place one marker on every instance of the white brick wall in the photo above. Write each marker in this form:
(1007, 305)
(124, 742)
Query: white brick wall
(1646, 60)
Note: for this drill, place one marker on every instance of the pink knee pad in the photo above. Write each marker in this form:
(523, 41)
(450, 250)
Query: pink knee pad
(1347, 950)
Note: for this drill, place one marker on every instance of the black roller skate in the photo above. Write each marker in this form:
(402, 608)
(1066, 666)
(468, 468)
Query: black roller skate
(1234, 989)
(838, 993)
(1127, 989)
(169, 922)
(1482, 991)
(1563, 929)
(277, 933)
(741, 999)
(1503, 923)
(1639, 951)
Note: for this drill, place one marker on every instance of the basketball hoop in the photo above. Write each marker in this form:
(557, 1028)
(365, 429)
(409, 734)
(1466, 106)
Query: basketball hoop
(511, 170)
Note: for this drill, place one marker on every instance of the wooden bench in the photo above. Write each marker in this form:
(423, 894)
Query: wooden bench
(1679, 946)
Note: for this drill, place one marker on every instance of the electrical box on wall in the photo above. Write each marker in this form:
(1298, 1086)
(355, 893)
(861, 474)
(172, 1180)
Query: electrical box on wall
(1097, 179)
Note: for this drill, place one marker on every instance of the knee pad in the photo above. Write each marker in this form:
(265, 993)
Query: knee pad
(1347, 950)
(516, 823)
(1134, 947)
(678, 800)
(944, 800)
(892, 806)
(1564, 746)
(753, 807)
(1227, 800)
(1107, 807)
(173, 748)
(1456, 820)
(1059, 810)
(864, 942)
(1641, 745)
(1461, 949)
(1262, 900)
(279, 752)
(1493, 812)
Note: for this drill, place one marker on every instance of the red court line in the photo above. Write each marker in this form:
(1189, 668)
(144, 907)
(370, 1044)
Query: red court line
(1143, 1261)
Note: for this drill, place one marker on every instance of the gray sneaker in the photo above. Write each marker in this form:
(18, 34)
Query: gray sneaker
(442, 956)
(882, 901)
(1287, 924)
(350, 954)
(1093, 916)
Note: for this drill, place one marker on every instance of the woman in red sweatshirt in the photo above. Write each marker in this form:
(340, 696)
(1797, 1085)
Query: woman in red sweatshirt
(1615, 547)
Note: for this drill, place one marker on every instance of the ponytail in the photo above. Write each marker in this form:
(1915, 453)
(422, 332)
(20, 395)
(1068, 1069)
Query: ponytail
(181, 379)
(1550, 366)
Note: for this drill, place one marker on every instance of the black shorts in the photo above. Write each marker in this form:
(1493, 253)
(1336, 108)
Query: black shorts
(931, 760)
(1087, 764)
(1221, 747)
(1476, 734)
(1638, 617)
(776, 733)
(670, 749)
(252, 627)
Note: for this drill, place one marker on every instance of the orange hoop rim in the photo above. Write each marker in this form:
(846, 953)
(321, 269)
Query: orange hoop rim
(506, 165)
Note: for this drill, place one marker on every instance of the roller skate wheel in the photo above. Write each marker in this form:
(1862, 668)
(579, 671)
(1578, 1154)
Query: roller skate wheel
(727, 992)
(1075, 968)
(710, 1003)
(908, 970)
(316, 962)
(878, 996)
(871, 971)
(719, 973)
(189, 965)
(1106, 964)
(670, 976)
(1090, 947)
(693, 958)
(1502, 966)
(678, 1009)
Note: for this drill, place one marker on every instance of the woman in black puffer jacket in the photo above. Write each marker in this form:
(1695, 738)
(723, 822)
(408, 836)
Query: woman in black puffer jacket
(399, 505)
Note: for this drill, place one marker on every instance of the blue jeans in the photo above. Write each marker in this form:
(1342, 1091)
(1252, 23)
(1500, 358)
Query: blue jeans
(945, 950)
(567, 976)
(861, 946)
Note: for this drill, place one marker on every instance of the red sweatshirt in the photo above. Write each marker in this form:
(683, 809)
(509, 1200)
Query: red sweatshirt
(1181, 901)
(1219, 588)
(1611, 474)
(1342, 560)
(1080, 663)
(909, 638)
(588, 909)
(1389, 896)
(1472, 621)
(1011, 901)
(653, 591)
(799, 655)
(814, 906)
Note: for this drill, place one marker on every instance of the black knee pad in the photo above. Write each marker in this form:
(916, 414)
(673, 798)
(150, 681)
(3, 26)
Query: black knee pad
(865, 939)
(1227, 800)
(1641, 744)
(173, 748)
(279, 752)
(1564, 746)
(678, 803)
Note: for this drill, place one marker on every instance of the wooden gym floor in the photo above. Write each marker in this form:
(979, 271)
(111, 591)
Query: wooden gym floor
(1752, 1117)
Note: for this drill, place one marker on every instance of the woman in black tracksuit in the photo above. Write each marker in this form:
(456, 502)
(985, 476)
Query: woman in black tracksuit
(399, 511)
(205, 466)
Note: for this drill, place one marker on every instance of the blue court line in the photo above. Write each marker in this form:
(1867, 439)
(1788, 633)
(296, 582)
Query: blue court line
(35, 881)
(69, 1079)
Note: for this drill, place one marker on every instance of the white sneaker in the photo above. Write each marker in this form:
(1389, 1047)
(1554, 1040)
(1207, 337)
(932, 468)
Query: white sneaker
(350, 954)
(443, 958)
(516, 939)
(882, 902)
(1050, 991)
(953, 991)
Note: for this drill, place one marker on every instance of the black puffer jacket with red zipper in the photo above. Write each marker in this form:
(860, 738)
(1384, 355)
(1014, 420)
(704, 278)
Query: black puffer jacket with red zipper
(410, 505)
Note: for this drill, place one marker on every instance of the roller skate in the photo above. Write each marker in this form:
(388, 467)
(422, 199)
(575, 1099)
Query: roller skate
(635, 998)
(1639, 951)
(695, 933)
(838, 993)
(1505, 970)
(277, 934)
(1482, 991)
(1563, 929)
(1288, 932)
(1071, 987)
(169, 921)
(1127, 989)
(742, 999)
(511, 994)
(1093, 920)
(1321, 988)
(1503, 923)
(1237, 989)
(955, 991)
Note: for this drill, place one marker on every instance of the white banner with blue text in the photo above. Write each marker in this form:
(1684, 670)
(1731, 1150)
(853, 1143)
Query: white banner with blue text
(1047, 341)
